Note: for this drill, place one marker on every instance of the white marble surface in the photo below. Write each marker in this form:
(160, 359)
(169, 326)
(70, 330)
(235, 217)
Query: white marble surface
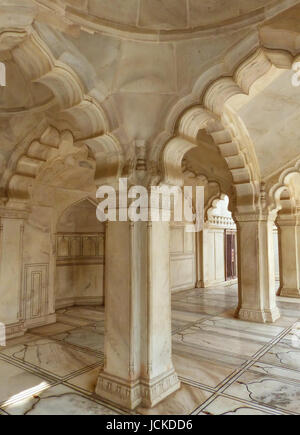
(215, 339)
(58, 400)
(283, 355)
(269, 391)
(87, 337)
(52, 357)
(16, 382)
(184, 401)
(225, 406)
(211, 356)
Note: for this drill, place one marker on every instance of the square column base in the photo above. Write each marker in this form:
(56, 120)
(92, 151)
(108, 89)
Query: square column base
(159, 388)
(259, 316)
(119, 392)
(289, 292)
(130, 395)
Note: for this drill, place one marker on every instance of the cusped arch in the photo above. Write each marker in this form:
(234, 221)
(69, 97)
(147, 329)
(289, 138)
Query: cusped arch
(208, 114)
(72, 105)
(73, 111)
(190, 125)
(52, 160)
(70, 204)
(288, 181)
(56, 160)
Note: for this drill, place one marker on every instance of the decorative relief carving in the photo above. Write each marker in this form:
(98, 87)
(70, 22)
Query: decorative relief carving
(152, 394)
(132, 395)
(182, 258)
(208, 114)
(221, 221)
(263, 316)
(126, 395)
(15, 330)
(80, 248)
(36, 278)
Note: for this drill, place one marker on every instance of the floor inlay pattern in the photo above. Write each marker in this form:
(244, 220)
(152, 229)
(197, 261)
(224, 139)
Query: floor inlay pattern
(226, 366)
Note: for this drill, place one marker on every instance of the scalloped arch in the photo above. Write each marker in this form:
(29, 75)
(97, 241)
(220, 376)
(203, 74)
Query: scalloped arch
(208, 114)
(275, 202)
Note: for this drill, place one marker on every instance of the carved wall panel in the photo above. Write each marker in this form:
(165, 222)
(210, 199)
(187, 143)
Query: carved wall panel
(182, 258)
(80, 269)
(36, 278)
(80, 248)
(276, 251)
(215, 250)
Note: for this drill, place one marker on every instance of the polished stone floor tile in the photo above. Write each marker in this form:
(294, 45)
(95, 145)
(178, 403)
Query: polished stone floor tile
(182, 402)
(289, 309)
(197, 369)
(16, 341)
(177, 325)
(215, 356)
(225, 406)
(283, 355)
(58, 400)
(276, 372)
(186, 317)
(72, 320)
(17, 383)
(52, 357)
(97, 327)
(86, 337)
(233, 332)
(200, 308)
(266, 390)
(55, 328)
(199, 337)
(242, 329)
(87, 381)
(211, 348)
(83, 313)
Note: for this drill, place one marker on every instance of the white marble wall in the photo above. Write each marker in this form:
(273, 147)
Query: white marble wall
(276, 252)
(79, 257)
(11, 232)
(79, 270)
(214, 256)
(26, 270)
(182, 258)
(213, 241)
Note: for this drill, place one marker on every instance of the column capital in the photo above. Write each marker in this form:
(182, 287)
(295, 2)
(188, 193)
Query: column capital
(288, 220)
(10, 213)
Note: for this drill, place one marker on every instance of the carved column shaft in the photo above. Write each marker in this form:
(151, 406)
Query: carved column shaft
(12, 300)
(138, 357)
(289, 256)
(257, 299)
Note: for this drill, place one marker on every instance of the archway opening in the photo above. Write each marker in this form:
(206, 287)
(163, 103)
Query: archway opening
(79, 257)
(221, 245)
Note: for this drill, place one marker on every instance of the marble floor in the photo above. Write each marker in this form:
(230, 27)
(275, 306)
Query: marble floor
(226, 366)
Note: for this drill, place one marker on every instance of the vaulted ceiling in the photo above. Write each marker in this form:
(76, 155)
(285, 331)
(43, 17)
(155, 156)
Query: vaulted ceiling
(131, 68)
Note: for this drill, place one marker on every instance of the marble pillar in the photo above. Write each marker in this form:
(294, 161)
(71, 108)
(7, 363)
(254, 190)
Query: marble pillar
(257, 298)
(289, 255)
(11, 251)
(200, 258)
(138, 366)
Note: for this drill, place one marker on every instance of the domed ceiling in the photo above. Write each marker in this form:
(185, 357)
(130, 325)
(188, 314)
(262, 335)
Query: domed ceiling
(163, 16)
(130, 68)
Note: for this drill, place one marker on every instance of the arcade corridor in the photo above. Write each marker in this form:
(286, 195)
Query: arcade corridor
(226, 366)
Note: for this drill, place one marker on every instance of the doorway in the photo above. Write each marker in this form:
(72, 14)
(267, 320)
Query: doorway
(230, 255)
